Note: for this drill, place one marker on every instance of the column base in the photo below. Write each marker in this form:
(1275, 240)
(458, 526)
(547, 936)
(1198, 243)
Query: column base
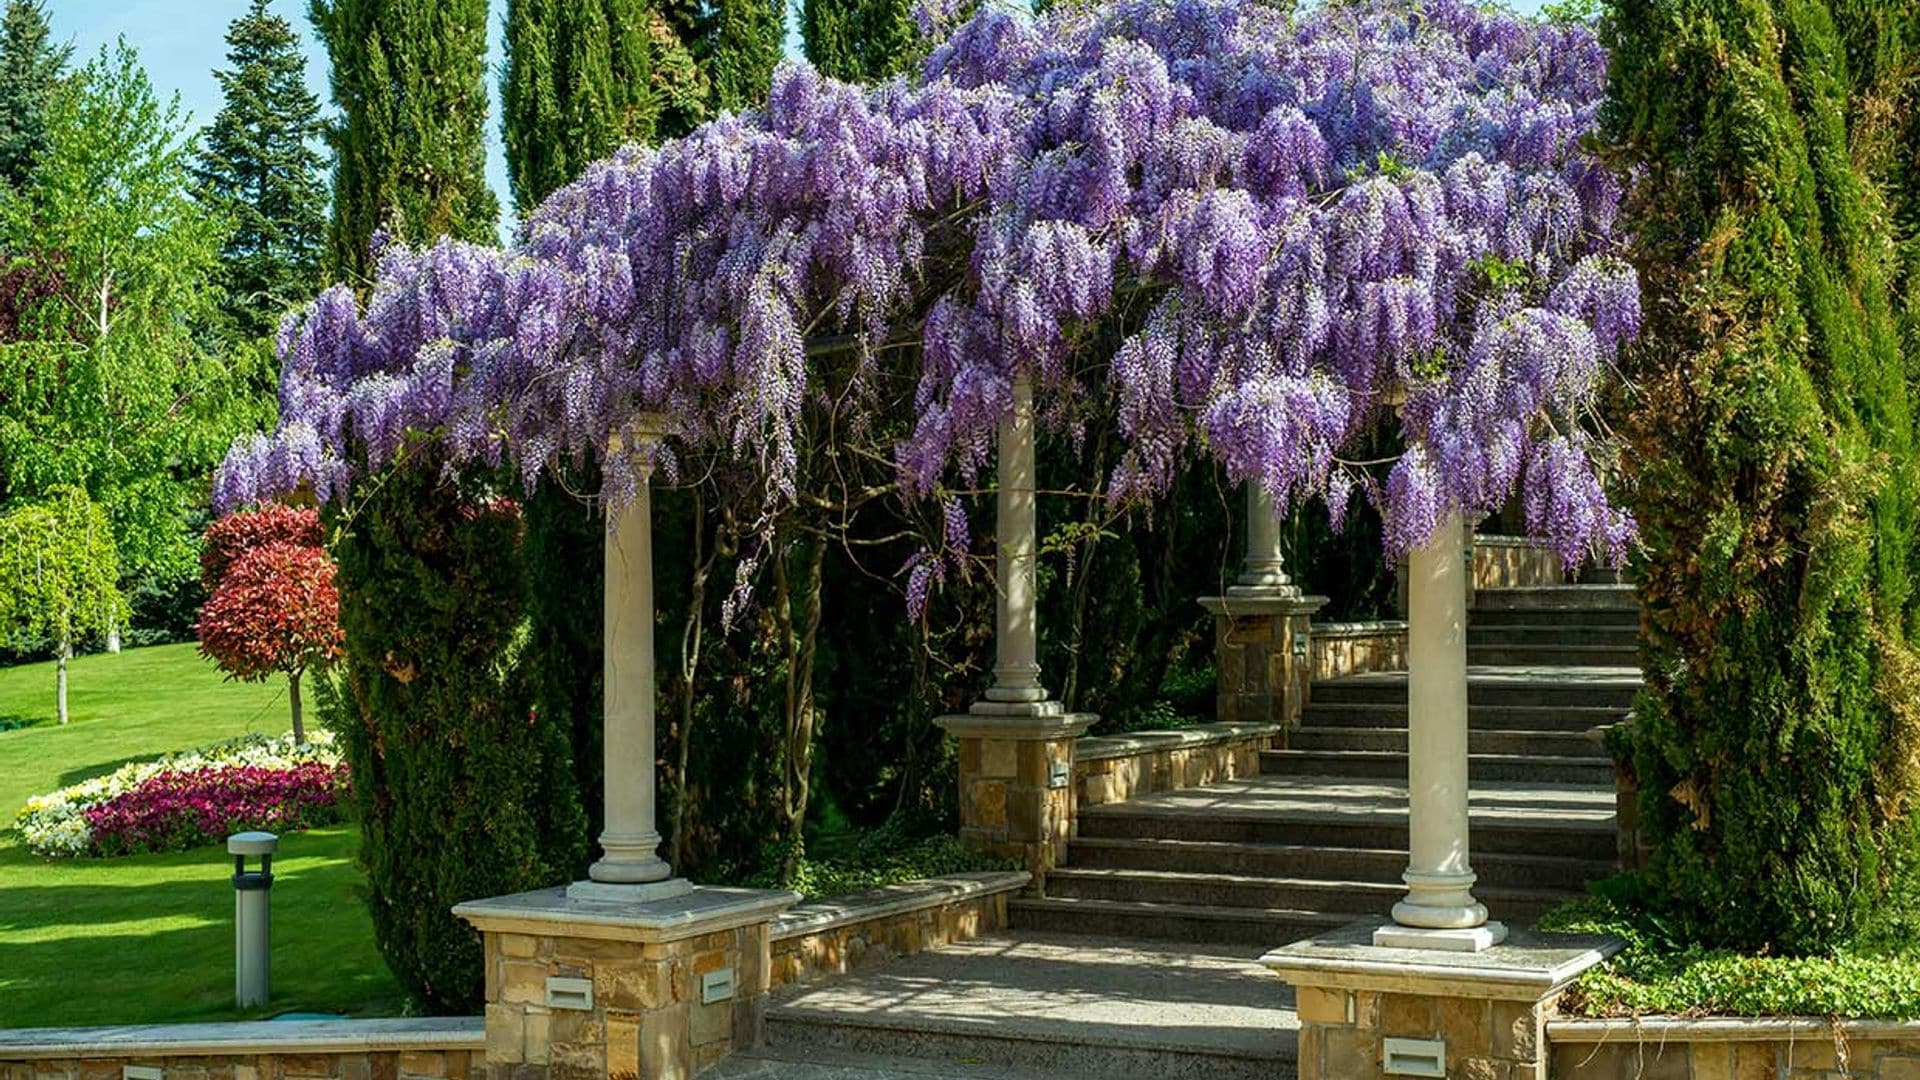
(1016, 779)
(660, 988)
(1369, 1012)
(1470, 939)
(621, 892)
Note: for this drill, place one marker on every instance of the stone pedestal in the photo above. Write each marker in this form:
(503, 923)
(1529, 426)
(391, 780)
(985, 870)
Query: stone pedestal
(644, 991)
(1016, 781)
(1261, 648)
(1369, 1012)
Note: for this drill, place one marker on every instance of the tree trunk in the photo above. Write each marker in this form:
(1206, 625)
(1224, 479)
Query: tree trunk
(800, 650)
(60, 680)
(113, 638)
(293, 695)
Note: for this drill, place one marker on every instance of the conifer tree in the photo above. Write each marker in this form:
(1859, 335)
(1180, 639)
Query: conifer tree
(584, 77)
(259, 166)
(30, 63)
(1774, 460)
(858, 40)
(739, 46)
(409, 79)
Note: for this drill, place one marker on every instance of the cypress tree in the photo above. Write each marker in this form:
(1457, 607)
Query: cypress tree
(30, 64)
(258, 165)
(581, 79)
(1774, 469)
(409, 79)
(739, 47)
(859, 40)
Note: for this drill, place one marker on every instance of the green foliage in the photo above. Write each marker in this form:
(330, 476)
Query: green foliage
(583, 78)
(59, 573)
(409, 79)
(886, 855)
(107, 386)
(260, 169)
(1773, 469)
(30, 64)
(859, 40)
(462, 790)
(739, 45)
(1661, 971)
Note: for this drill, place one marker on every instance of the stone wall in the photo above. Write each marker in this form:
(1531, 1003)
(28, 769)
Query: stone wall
(1504, 562)
(1341, 1029)
(1731, 1048)
(1354, 648)
(1114, 768)
(396, 1049)
(824, 938)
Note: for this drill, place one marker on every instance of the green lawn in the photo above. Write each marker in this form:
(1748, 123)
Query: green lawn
(149, 939)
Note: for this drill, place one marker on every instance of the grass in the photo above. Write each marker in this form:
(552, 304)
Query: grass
(149, 938)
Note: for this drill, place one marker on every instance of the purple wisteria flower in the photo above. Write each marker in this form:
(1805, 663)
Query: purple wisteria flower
(1301, 226)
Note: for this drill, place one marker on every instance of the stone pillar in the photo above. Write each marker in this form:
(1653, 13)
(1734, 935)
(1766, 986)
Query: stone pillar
(1368, 1012)
(1262, 629)
(1439, 911)
(632, 973)
(1016, 744)
(630, 843)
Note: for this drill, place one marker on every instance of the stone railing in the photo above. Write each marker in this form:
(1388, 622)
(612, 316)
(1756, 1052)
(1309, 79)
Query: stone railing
(1714, 1047)
(405, 1049)
(1354, 648)
(1501, 562)
(835, 936)
(1114, 768)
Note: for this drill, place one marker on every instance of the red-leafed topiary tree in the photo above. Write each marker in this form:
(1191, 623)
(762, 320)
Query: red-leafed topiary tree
(274, 607)
(236, 534)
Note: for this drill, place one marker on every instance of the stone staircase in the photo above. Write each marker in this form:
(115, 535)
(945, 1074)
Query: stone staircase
(1319, 839)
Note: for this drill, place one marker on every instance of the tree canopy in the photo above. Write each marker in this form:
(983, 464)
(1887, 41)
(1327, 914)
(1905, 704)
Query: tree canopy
(106, 383)
(30, 64)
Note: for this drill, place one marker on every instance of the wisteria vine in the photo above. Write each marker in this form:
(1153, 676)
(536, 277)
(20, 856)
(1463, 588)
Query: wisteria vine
(1307, 225)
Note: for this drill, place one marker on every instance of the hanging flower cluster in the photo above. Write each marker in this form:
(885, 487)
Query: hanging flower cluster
(1305, 224)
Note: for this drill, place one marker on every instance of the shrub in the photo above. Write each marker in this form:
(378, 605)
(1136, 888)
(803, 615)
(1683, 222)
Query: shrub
(463, 791)
(1773, 471)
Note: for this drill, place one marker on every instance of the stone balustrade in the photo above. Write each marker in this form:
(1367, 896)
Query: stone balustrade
(1506, 562)
(1355, 648)
(403, 1049)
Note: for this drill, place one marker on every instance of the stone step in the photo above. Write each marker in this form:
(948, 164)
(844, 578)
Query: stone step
(1617, 597)
(1576, 744)
(1076, 1007)
(1548, 654)
(1353, 898)
(1539, 832)
(1160, 921)
(1479, 717)
(1618, 637)
(1392, 765)
(1575, 617)
(1593, 687)
(1320, 861)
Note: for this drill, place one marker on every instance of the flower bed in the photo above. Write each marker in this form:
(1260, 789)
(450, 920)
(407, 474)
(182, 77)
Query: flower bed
(191, 798)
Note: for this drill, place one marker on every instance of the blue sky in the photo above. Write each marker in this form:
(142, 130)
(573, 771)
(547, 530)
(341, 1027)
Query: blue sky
(181, 42)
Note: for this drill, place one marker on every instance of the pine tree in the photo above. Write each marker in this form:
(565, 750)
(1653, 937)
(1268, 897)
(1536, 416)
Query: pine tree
(259, 166)
(30, 64)
(584, 77)
(739, 46)
(859, 40)
(409, 79)
(1775, 468)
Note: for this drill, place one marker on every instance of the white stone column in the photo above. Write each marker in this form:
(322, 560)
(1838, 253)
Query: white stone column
(1016, 639)
(630, 867)
(1439, 911)
(1264, 571)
